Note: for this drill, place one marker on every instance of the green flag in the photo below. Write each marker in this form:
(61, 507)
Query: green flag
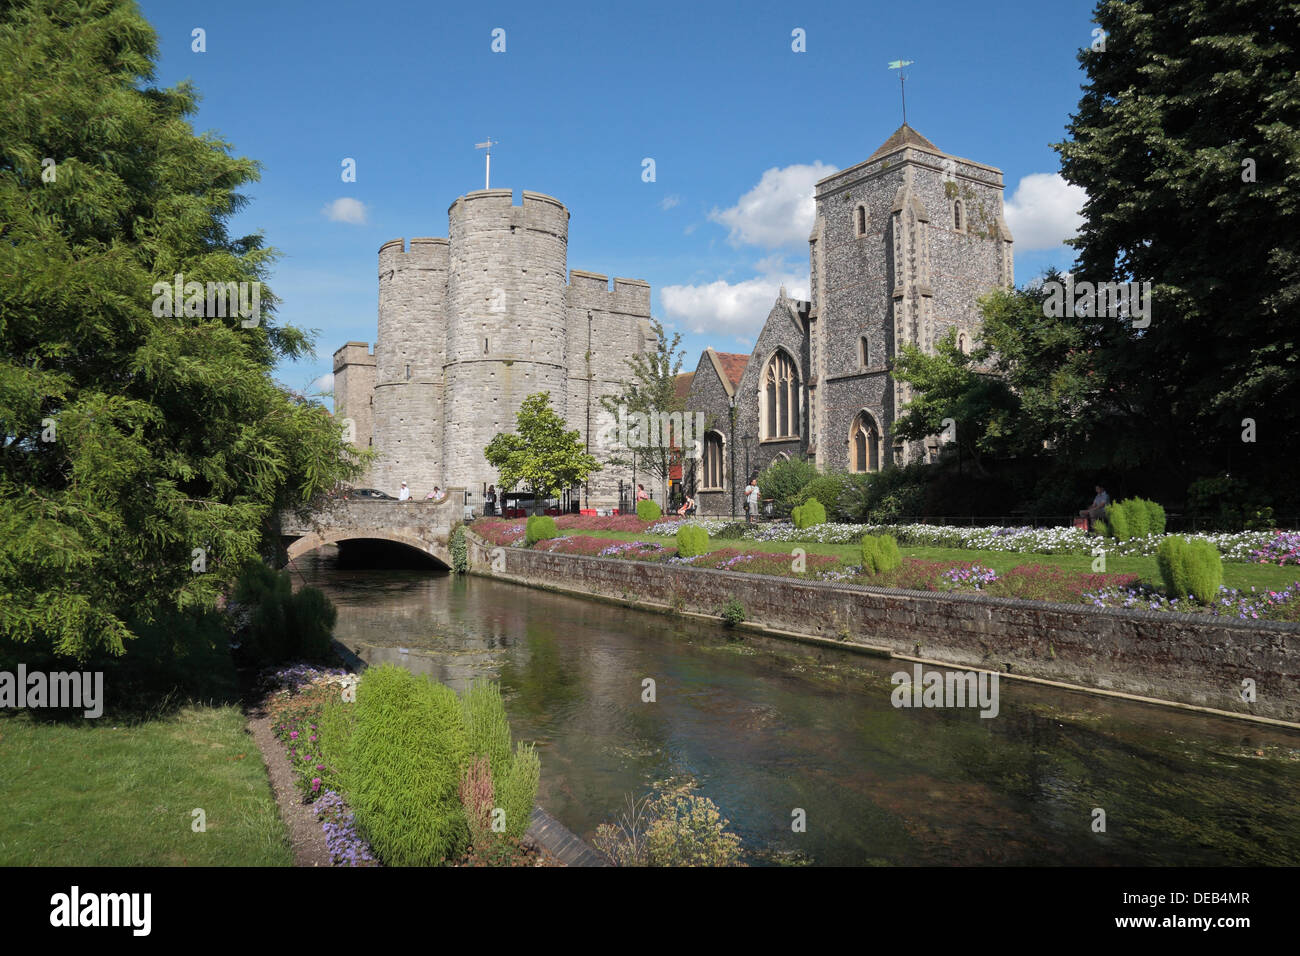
(899, 64)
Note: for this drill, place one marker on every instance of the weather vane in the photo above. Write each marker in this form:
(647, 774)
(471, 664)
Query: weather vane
(487, 172)
(898, 65)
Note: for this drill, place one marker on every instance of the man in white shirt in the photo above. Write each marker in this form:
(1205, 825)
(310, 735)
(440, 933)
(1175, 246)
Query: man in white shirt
(404, 494)
(751, 500)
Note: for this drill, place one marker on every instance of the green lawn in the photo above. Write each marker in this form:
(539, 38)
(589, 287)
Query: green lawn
(1235, 574)
(100, 793)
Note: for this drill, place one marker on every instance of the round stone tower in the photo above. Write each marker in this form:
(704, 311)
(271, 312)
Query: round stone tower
(505, 321)
(408, 400)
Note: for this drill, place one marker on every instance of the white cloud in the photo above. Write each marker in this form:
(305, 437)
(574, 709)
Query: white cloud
(323, 384)
(737, 308)
(669, 201)
(1044, 211)
(346, 210)
(778, 211)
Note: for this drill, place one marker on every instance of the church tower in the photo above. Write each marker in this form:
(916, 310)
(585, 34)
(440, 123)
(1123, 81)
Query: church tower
(903, 246)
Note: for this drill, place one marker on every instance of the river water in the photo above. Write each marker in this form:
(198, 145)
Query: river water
(766, 728)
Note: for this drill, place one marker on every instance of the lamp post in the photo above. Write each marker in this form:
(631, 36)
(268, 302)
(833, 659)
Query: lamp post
(747, 439)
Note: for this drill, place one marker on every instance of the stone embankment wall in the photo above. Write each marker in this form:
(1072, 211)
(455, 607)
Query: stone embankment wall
(1184, 659)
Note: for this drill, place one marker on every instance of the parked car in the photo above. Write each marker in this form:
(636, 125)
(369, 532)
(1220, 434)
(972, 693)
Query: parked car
(373, 493)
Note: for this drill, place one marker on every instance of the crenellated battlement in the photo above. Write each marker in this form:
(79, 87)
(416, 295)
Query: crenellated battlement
(426, 252)
(353, 353)
(591, 290)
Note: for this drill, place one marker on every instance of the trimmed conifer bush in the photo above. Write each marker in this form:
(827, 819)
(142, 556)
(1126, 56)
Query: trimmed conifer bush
(1139, 517)
(516, 789)
(1117, 519)
(1190, 567)
(692, 540)
(539, 528)
(811, 512)
(1157, 517)
(880, 553)
(648, 510)
(407, 753)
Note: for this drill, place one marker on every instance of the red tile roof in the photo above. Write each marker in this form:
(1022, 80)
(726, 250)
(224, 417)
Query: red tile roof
(683, 384)
(733, 364)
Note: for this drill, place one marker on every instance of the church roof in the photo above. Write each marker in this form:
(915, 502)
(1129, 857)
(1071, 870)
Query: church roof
(682, 384)
(733, 365)
(903, 136)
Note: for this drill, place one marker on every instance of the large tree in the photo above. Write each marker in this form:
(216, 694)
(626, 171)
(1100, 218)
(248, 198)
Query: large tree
(1187, 140)
(540, 453)
(143, 456)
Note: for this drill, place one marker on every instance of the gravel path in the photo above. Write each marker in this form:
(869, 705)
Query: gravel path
(305, 831)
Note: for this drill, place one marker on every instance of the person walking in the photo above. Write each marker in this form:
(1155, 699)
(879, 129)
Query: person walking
(491, 500)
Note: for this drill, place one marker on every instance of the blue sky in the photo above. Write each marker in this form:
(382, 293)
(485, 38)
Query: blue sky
(737, 123)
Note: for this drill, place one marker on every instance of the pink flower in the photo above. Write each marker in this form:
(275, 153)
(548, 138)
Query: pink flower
(315, 784)
(293, 735)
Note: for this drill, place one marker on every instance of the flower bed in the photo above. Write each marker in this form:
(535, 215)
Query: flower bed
(1252, 546)
(1252, 605)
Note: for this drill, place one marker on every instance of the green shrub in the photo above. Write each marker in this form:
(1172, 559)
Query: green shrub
(517, 790)
(1117, 519)
(284, 624)
(1139, 517)
(487, 730)
(688, 830)
(692, 540)
(1099, 526)
(732, 613)
(732, 529)
(334, 726)
(1157, 517)
(828, 488)
(459, 550)
(880, 553)
(540, 528)
(648, 510)
(1190, 567)
(784, 479)
(810, 513)
(407, 753)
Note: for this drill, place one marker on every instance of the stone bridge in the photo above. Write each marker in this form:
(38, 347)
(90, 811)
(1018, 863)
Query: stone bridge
(422, 525)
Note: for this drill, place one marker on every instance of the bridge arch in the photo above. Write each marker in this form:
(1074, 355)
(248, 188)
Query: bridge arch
(313, 540)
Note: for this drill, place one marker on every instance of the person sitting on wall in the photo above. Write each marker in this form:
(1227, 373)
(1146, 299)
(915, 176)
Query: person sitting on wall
(641, 494)
(688, 506)
(1098, 507)
(404, 494)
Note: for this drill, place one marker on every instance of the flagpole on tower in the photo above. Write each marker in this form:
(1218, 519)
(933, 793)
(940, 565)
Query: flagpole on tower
(902, 91)
(487, 170)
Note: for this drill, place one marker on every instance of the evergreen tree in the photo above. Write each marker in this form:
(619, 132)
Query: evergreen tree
(144, 455)
(1187, 140)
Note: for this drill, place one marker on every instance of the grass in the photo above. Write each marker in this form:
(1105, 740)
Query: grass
(1235, 574)
(96, 793)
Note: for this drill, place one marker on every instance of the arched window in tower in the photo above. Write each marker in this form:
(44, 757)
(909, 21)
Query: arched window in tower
(956, 215)
(712, 473)
(408, 373)
(864, 352)
(961, 342)
(864, 444)
(780, 398)
(860, 220)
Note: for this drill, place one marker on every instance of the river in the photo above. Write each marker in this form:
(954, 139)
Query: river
(766, 728)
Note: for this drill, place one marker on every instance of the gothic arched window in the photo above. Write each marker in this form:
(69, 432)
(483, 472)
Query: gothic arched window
(956, 215)
(961, 343)
(860, 220)
(780, 398)
(712, 472)
(864, 444)
(864, 352)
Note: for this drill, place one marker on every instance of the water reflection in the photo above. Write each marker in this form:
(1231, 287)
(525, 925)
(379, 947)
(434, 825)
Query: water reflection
(765, 727)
